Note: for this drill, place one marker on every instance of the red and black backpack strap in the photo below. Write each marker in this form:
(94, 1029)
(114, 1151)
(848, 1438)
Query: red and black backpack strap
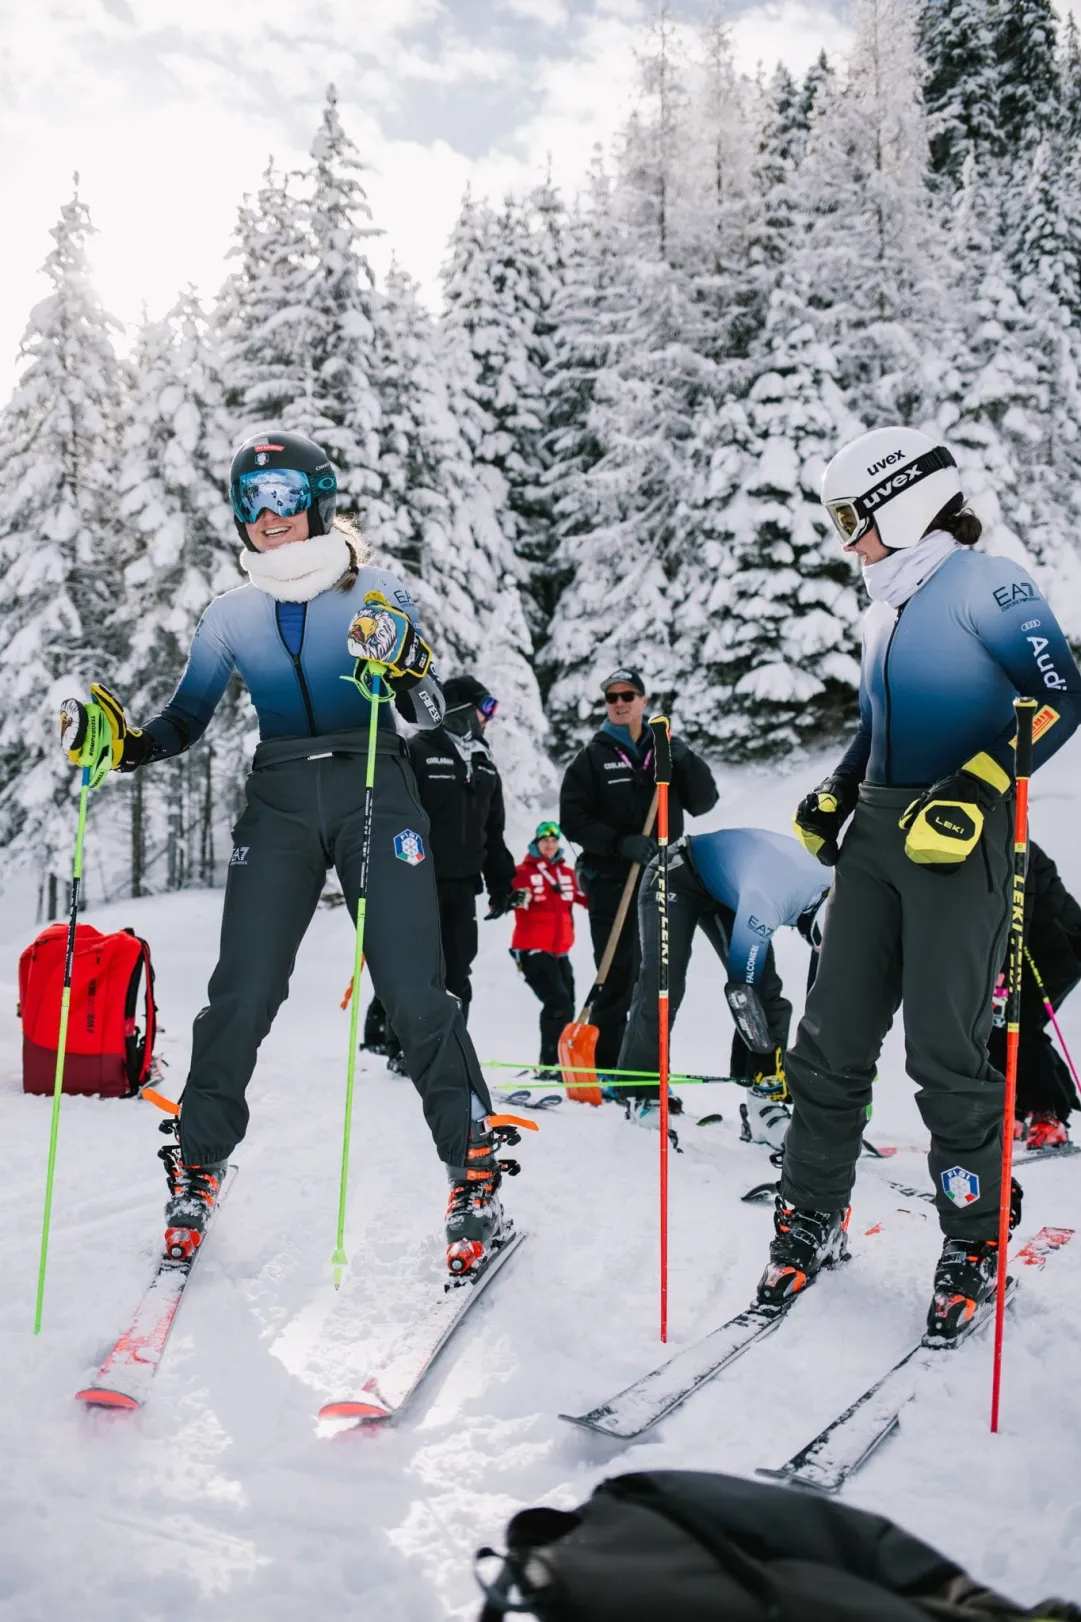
(139, 1047)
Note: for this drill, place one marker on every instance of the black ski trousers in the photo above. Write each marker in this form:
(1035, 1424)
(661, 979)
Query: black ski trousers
(457, 899)
(305, 813)
(690, 907)
(614, 998)
(551, 979)
(900, 934)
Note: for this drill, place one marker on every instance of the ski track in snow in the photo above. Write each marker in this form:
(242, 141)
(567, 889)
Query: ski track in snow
(221, 1491)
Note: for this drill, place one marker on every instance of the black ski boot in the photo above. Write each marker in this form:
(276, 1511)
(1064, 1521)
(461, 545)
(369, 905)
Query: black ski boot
(964, 1283)
(804, 1242)
(475, 1221)
(194, 1192)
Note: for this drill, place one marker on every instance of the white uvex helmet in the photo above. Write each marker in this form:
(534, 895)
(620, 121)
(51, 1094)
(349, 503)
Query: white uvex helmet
(895, 478)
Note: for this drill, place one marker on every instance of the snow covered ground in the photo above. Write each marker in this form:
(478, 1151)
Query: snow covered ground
(222, 1492)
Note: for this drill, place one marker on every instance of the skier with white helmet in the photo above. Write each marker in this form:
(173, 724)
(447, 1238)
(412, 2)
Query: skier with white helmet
(313, 610)
(919, 909)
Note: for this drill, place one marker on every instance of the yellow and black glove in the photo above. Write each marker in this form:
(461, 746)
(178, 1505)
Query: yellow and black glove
(822, 814)
(386, 635)
(128, 746)
(945, 823)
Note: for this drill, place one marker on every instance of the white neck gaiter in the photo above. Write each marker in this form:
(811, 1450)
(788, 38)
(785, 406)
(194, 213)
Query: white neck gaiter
(897, 578)
(300, 570)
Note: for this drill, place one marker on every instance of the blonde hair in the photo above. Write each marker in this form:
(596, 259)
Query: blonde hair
(359, 550)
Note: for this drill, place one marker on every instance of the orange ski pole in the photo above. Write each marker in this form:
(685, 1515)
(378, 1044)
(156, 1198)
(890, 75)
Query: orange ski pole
(662, 754)
(1024, 708)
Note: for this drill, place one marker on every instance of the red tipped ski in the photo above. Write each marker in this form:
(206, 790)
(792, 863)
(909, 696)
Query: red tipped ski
(124, 1379)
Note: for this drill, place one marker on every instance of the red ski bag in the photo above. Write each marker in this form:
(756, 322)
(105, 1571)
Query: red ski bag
(106, 1051)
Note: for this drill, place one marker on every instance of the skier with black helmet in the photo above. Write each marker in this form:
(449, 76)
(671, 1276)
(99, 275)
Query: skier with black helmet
(313, 610)
(462, 793)
(919, 909)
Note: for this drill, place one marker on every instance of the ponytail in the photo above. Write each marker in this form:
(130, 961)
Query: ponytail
(957, 520)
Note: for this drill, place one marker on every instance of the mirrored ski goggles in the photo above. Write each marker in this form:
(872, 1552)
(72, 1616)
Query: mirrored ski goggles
(849, 523)
(548, 830)
(285, 491)
(488, 706)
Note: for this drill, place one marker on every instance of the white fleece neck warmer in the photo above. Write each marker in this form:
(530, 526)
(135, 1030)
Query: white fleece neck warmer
(300, 570)
(897, 578)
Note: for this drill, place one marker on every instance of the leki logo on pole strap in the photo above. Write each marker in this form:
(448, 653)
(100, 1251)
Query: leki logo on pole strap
(409, 847)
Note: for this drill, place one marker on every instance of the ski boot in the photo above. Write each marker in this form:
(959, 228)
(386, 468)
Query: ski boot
(964, 1282)
(193, 1192)
(803, 1243)
(396, 1063)
(1046, 1131)
(765, 1115)
(647, 1112)
(1020, 1129)
(475, 1222)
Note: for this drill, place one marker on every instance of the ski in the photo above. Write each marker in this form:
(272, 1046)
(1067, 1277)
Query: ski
(529, 1098)
(640, 1406)
(124, 1379)
(847, 1442)
(395, 1381)
(1031, 1157)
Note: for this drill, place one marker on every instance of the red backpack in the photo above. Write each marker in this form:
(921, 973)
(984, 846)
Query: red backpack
(106, 1051)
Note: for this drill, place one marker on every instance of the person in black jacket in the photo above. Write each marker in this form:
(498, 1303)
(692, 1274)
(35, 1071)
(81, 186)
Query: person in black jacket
(604, 804)
(1046, 1095)
(461, 791)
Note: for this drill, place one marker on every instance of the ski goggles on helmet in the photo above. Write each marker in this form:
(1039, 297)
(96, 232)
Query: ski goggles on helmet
(488, 706)
(548, 830)
(853, 516)
(284, 491)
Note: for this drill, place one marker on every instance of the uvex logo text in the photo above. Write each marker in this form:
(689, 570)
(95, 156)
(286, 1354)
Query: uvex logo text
(887, 461)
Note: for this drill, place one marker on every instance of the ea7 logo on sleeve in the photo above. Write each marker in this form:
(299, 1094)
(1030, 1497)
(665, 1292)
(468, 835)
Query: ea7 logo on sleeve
(961, 1186)
(409, 847)
(1019, 591)
(239, 858)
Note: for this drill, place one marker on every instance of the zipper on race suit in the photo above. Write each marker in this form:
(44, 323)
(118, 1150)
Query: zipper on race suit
(298, 667)
(886, 690)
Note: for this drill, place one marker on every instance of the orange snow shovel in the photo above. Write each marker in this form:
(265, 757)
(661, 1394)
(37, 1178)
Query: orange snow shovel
(578, 1040)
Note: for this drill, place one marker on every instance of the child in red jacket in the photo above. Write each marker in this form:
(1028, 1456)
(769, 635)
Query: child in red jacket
(544, 934)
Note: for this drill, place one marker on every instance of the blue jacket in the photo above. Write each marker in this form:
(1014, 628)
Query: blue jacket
(295, 695)
(766, 879)
(939, 675)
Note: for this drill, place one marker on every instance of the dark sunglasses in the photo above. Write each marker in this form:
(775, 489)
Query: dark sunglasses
(620, 697)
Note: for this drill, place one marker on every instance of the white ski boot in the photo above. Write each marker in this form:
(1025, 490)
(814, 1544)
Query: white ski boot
(765, 1114)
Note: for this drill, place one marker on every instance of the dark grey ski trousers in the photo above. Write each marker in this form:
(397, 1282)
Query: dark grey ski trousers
(304, 814)
(901, 934)
(690, 907)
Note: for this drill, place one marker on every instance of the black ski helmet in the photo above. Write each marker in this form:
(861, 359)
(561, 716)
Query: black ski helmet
(277, 448)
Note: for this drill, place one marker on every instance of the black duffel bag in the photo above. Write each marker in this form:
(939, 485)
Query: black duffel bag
(691, 1546)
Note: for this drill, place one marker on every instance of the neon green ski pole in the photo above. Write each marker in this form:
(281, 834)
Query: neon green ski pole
(95, 758)
(340, 1261)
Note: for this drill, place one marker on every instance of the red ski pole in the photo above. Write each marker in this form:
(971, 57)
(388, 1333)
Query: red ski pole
(1024, 709)
(662, 753)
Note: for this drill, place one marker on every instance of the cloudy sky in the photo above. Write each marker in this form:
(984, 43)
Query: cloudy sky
(169, 114)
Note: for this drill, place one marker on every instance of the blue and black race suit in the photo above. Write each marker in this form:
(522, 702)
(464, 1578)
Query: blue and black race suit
(765, 879)
(939, 676)
(303, 690)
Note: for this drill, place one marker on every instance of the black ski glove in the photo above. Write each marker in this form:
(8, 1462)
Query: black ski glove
(750, 1017)
(504, 901)
(822, 814)
(640, 848)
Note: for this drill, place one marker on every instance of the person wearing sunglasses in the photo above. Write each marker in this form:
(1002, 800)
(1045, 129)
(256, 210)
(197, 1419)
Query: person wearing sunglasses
(604, 805)
(314, 610)
(920, 904)
(544, 934)
(462, 794)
